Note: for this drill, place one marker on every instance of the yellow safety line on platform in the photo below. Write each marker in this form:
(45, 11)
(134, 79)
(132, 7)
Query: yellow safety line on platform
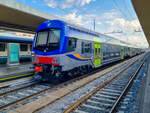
(15, 76)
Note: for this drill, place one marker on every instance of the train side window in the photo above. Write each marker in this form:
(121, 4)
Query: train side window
(89, 47)
(107, 55)
(95, 52)
(2, 47)
(117, 54)
(86, 47)
(30, 47)
(71, 46)
(104, 54)
(99, 51)
(82, 45)
(23, 47)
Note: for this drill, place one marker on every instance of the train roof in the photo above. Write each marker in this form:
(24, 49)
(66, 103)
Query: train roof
(13, 39)
(108, 39)
(105, 38)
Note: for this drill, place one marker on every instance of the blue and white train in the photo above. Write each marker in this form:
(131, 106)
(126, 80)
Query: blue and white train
(62, 49)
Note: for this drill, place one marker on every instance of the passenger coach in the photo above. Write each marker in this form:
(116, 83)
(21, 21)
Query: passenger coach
(15, 49)
(63, 49)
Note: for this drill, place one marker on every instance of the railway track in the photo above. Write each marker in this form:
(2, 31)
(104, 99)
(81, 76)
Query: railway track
(13, 87)
(64, 90)
(23, 84)
(107, 97)
(10, 96)
(19, 96)
(25, 91)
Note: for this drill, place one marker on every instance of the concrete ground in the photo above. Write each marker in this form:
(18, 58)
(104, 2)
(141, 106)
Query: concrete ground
(15, 71)
(146, 101)
(143, 98)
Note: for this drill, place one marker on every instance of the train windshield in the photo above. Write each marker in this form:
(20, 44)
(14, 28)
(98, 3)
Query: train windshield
(48, 40)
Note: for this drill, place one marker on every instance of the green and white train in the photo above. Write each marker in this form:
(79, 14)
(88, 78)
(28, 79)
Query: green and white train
(15, 49)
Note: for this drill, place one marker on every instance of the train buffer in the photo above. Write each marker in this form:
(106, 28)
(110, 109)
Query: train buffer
(15, 71)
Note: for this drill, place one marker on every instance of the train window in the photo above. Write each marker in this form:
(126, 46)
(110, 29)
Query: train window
(107, 54)
(95, 53)
(86, 47)
(2, 47)
(111, 54)
(99, 52)
(71, 46)
(23, 47)
(82, 47)
(117, 54)
(41, 38)
(53, 39)
(48, 40)
(103, 54)
(30, 47)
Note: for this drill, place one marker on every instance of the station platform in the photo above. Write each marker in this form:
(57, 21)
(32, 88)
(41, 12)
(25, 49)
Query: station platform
(146, 93)
(9, 72)
(143, 99)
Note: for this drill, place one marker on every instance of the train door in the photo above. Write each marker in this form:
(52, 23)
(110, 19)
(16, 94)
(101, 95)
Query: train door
(97, 53)
(130, 49)
(13, 53)
(122, 52)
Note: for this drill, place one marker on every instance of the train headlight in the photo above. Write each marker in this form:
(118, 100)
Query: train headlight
(36, 60)
(55, 60)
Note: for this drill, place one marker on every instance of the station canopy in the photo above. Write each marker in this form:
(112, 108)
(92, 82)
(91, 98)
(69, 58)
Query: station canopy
(142, 8)
(18, 17)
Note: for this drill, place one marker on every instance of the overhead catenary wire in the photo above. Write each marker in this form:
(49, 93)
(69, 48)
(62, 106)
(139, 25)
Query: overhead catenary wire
(123, 12)
(129, 11)
(117, 6)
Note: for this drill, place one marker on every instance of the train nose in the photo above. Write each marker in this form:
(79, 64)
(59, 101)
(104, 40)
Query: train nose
(47, 60)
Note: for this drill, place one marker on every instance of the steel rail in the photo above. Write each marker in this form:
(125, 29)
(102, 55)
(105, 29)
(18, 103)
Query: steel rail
(86, 97)
(51, 88)
(57, 86)
(116, 105)
(17, 89)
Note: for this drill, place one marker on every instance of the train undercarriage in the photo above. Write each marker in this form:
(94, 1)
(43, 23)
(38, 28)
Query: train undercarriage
(50, 73)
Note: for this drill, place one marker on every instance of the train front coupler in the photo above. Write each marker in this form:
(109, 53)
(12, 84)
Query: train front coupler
(46, 72)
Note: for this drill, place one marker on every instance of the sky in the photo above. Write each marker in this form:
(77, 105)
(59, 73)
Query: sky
(115, 18)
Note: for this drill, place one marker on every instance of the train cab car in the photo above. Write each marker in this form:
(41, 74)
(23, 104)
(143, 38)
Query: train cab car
(59, 47)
